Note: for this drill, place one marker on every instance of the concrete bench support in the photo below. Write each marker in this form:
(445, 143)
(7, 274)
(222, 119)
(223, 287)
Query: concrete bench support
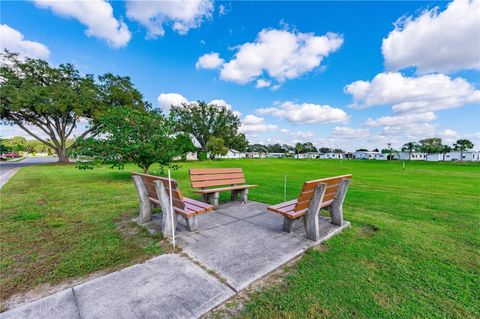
(312, 227)
(166, 225)
(288, 224)
(211, 198)
(336, 208)
(244, 195)
(145, 204)
(192, 224)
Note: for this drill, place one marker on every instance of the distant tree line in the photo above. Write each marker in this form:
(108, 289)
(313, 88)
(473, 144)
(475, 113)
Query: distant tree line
(298, 148)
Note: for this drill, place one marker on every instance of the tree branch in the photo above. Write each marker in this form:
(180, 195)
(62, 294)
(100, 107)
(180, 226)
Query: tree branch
(33, 134)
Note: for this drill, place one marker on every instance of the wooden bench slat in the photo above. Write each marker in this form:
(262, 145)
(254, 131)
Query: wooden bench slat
(298, 207)
(186, 207)
(309, 185)
(218, 182)
(204, 171)
(278, 206)
(215, 190)
(211, 177)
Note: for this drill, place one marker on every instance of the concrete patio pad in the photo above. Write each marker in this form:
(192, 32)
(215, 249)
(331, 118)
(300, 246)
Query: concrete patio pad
(250, 247)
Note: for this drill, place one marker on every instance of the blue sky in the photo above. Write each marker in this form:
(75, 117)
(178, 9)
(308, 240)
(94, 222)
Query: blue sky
(419, 77)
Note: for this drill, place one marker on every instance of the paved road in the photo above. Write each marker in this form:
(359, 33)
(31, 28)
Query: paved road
(8, 169)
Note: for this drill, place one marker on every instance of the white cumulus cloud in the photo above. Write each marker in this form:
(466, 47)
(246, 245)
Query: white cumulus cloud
(402, 119)
(436, 41)
(279, 54)
(96, 15)
(306, 113)
(209, 61)
(166, 100)
(413, 94)
(254, 124)
(182, 15)
(14, 41)
(261, 83)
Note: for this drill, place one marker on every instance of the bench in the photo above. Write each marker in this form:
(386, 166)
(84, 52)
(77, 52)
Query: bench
(231, 179)
(154, 191)
(328, 193)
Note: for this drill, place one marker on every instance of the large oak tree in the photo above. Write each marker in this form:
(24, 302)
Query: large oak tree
(45, 100)
(203, 121)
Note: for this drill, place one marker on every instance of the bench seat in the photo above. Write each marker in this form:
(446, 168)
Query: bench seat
(155, 190)
(287, 208)
(326, 193)
(211, 181)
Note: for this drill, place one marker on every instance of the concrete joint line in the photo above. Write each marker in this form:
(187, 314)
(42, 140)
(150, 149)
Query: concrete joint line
(76, 303)
(210, 271)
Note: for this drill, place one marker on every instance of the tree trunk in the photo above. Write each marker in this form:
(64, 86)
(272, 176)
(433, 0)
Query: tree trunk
(62, 155)
(461, 155)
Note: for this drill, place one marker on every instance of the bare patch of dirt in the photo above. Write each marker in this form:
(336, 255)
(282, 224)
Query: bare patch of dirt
(368, 230)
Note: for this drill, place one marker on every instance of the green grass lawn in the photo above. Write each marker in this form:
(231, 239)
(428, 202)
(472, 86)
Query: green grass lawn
(413, 250)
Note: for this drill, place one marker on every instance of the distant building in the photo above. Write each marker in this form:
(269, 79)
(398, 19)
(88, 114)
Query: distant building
(191, 156)
(415, 156)
(233, 154)
(309, 155)
(255, 155)
(331, 155)
(467, 156)
(366, 155)
(437, 157)
(275, 155)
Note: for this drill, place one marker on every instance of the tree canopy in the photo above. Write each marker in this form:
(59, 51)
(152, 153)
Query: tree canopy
(131, 135)
(216, 147)
(203, 120)
(56, 99)
(462, 145)
(431, 145)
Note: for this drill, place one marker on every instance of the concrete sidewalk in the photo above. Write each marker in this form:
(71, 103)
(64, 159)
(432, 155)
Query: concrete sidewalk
(237, 243)
(169, 286)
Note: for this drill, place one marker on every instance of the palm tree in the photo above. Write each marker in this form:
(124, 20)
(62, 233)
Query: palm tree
(462, 145)
(445, 150)
(410, 147)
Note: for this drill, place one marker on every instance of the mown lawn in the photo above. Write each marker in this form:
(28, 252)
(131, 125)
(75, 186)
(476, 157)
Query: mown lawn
(413, 250)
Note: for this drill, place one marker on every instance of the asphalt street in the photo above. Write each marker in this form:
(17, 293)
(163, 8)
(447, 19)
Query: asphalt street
(8, 169)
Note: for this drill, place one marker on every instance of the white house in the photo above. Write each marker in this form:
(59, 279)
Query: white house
(191, 156)
(233, 154)
(467, 156)
(381, 157)
(331, 155)
(306, 155)
(255, 155)
(275, 155)
(365, 155)
(416, 156)
(437, 157)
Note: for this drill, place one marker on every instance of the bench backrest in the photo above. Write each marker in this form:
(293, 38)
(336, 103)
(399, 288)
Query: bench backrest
(208, 177)
(148, 181)
(309, 187)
